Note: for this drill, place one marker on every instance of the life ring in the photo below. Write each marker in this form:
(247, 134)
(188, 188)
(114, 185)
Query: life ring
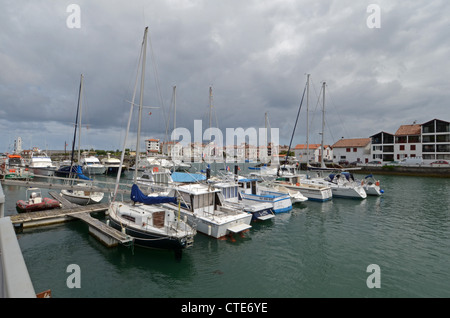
(155, 169)
(297, 184)
(377, 183)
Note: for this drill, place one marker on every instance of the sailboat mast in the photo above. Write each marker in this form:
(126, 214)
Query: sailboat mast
(144, 47)
(307, 119)
(76, 125)
(210, 106)
(323, 125)
(79, 117)
(174, 108)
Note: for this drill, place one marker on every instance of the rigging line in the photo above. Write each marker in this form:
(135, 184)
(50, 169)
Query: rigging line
(293, 131)
(317, 105)
(155, 69)
(340, 118)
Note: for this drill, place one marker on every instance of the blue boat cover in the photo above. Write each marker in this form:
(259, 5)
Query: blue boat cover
(138, 196)
(80, 174)
(187, 177)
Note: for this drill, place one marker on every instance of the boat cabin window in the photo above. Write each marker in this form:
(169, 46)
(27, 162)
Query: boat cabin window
(230, 192)
(203, 200)
(130, 218)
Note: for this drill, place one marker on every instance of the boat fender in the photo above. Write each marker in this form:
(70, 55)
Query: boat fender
(362, 182)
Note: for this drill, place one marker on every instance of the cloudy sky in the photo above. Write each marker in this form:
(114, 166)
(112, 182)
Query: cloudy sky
(255, 54)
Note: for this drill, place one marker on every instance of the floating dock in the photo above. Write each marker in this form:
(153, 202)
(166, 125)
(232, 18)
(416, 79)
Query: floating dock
(69, 211)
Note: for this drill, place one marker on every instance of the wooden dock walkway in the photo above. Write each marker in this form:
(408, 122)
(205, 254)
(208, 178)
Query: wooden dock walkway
(69, 211)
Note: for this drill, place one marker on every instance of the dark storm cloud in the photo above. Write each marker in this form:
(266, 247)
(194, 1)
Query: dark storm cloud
(255, 55)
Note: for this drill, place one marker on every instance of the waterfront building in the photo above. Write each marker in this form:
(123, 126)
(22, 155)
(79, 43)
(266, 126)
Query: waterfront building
(315, 152)
(408, 142)
(435, 140)
(352, 150)
(382, 146)
(152, 147)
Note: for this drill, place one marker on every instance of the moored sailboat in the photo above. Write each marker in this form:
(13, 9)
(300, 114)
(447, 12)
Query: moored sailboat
(145, 218)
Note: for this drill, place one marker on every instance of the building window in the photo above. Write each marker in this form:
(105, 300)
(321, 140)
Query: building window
(428, 148)
(442, 138)
(402, 147)
(443, 148)
(347, 150)
(413, 139)
(413, 147)
(355, 149)
(400, 139)
(428, 138)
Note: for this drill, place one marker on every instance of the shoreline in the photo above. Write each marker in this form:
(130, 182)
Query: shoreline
(416, 171)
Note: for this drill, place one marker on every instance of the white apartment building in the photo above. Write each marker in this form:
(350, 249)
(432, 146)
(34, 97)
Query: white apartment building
(408, 143)
(356, 149)
(152, 147)
(382, 146)
(435, 140)
(315, 153)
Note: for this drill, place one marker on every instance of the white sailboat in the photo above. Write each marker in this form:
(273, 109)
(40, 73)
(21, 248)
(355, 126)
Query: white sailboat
(80, 197)
(340, 185)
(149, 222)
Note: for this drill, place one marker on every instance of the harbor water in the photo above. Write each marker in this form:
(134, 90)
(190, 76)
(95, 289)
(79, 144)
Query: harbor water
(316, 250)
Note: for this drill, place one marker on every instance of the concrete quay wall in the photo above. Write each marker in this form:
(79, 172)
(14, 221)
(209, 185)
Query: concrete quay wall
(411, 170)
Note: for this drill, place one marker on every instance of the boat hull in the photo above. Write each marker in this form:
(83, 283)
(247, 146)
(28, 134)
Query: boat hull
(217, 226)
(82, 197)
(280, 204)
(152, 240)
(43, 171)
(93, 170)
(46, 204)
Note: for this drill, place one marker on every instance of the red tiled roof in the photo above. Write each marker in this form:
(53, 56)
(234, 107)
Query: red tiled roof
(311, 146)
(406, 130)
(350, 143)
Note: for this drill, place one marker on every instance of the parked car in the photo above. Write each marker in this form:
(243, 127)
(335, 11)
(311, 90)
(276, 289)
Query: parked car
(374, 162)
(343, 162)
(439, 162)
(392, 163)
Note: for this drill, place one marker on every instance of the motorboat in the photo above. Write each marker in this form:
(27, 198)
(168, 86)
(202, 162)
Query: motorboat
(35, 202)
(92, 166)
(42, 165)
(251, 191)
(314, 192)
(371, 185)
(295, 195)
(342, 184)
(204, 208)
(112, 164)
(260, 211)
(13, 167)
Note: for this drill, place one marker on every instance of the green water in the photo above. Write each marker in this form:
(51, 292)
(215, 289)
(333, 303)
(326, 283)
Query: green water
(316, 250)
